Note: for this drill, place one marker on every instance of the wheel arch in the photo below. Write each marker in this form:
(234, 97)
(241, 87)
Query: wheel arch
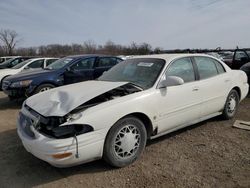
(1, 81)
(236, 88)
(43, 83)
(145, 120)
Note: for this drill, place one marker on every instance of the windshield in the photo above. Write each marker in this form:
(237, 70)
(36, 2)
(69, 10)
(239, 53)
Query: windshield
(59, 63)
(21, 64)
(142, 72)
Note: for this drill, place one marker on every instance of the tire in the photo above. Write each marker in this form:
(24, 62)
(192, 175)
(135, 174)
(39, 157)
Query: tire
(125, 142)
(231, 105)
(43, 87)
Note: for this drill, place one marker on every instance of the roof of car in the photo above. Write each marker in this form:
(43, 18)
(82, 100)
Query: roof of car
(9, 56)
(170, 56)
(89, 55)
(38, 58)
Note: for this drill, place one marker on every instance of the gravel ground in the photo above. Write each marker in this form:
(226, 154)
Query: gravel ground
(208, 154)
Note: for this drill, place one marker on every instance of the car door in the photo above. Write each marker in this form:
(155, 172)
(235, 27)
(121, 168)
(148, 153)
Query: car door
(103, 64)
(214, 84)
(239, 59)
(179, 105)
(81, 70)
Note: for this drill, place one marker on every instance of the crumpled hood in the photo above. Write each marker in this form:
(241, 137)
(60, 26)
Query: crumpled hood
(62, 100)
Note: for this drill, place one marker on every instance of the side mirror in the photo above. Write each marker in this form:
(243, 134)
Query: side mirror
(171, 81)
(26, 68)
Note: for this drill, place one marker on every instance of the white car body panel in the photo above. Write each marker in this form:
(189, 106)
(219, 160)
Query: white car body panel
(8, 72)
(168, 109)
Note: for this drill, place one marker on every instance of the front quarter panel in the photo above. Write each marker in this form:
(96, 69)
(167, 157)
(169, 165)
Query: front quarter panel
(106, 114)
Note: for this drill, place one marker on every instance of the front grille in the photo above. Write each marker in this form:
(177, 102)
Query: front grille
(5, 84)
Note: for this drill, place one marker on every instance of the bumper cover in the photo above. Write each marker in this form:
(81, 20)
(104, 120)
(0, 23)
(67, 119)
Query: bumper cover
(90, 147)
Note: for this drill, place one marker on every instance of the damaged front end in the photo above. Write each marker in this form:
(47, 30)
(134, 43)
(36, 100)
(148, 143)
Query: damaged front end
(60, 127)
(51, 127)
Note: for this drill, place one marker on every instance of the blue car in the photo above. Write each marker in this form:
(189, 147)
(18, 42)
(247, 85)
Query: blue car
(64, 71)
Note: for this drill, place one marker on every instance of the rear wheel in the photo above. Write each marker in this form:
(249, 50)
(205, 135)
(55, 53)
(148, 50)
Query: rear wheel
(231, 105)
(125, 142)
(44, 87)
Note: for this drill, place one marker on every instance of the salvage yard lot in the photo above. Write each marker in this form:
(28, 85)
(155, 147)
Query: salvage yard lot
(208, 154)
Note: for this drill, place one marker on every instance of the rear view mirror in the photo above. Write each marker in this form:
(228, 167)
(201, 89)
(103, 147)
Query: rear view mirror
(171, 81)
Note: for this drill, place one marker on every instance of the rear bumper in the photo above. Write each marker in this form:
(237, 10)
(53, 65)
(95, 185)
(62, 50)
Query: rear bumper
(244, 91)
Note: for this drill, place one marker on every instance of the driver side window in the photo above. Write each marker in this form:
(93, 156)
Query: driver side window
(182, 68)
(84, 64)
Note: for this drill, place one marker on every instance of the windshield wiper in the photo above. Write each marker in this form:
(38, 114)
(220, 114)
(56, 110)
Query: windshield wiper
(136, 85)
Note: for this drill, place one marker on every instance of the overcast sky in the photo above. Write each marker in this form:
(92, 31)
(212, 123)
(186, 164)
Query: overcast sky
(168, 24)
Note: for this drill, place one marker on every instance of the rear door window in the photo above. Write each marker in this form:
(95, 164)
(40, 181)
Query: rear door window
(36, 64)
(206, 67)
(50, 61)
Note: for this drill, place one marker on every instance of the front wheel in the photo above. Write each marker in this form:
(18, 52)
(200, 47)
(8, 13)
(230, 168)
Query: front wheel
(44, 87)
(231, 105)
(125, 142)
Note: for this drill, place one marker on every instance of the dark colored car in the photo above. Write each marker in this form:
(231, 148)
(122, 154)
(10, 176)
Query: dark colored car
(240, 57)
(246, 69)
(64, 71)
(13, 62)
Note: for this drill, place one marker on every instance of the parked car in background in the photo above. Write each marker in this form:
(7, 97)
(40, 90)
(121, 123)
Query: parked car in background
(13, 62)
(29, 64)
(64, 71)
(3, 59)
(240, 57)
(246, 69)
(138, 99)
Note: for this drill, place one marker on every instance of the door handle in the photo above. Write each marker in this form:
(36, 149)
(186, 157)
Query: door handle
(195, 88)
(227, 80)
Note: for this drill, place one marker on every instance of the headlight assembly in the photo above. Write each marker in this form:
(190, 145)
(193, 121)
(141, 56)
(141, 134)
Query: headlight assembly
(67, 131)
(23, 83)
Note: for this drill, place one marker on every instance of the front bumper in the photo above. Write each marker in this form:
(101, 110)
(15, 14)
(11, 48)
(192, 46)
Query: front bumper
(15, 92)
(90, 146)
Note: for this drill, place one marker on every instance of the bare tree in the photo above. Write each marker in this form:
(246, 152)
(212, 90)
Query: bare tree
(89, 46)
(9, 40)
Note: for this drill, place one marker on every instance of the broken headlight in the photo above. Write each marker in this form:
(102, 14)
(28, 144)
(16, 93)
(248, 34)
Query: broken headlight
(67, 131)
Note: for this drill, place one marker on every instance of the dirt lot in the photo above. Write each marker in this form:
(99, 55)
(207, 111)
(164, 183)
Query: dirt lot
(208, 154)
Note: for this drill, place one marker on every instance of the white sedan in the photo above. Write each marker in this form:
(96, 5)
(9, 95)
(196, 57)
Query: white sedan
(139, 99)
(25, 65)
